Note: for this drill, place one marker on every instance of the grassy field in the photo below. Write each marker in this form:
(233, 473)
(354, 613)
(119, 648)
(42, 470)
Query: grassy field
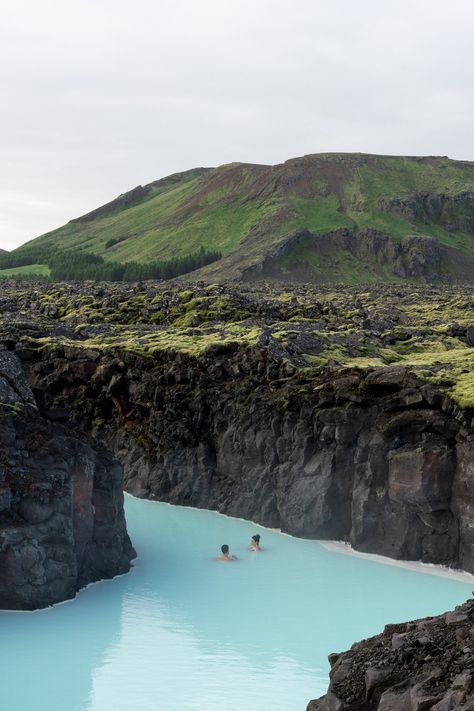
(33, 269)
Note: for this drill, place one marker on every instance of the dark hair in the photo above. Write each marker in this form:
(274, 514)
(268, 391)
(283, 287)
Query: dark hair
(225, 549)
(256, 538)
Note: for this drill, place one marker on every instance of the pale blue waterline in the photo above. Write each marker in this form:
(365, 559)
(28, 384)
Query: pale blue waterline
(183, 632)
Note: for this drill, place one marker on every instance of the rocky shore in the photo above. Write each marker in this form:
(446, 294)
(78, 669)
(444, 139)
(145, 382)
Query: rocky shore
(424, 664)
(62, 524)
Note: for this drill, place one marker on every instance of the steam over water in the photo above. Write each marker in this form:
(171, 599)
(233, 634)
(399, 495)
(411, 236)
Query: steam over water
(183, 632)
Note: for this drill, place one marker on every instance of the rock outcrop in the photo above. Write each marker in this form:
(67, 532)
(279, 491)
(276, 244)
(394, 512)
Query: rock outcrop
(62, 524)
(375, 457)
(425, 664)
(415, 256)
(454, 212)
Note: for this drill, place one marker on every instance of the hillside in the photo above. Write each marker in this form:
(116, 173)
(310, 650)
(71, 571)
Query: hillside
(327, 217)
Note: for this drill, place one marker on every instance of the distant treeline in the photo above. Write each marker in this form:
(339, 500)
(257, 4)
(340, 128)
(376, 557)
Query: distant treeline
(27, 255)
(80, 266)
(25, 276)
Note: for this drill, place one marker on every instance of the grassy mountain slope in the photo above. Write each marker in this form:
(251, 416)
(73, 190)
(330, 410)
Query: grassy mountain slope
(247, 212)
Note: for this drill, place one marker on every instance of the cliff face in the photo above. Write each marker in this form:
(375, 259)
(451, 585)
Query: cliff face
(425, 664)
(415, 256)
(61, 503)
(454, 212)
(374, 457)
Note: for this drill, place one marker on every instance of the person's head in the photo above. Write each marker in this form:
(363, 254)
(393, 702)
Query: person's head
(256, 538)
(225, 549)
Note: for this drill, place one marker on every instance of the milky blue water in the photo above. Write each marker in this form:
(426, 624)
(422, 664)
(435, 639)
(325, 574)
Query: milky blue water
(184, 632)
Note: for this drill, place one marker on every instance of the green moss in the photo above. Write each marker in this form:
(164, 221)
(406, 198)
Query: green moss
(179, 340)
(185, 296)
(14, 409)
(418, 325)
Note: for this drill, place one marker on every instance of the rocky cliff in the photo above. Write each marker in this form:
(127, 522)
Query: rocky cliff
(61, 503)
(454, 212)
(425, 664)
(415, 256)
(331, 414)
(375, 457)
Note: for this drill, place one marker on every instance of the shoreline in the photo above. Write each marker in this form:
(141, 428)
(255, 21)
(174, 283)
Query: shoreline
(343, 548)
(442, 571)
(340, 547)
(71, 599)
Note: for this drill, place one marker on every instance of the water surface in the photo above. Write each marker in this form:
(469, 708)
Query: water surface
(183, 632)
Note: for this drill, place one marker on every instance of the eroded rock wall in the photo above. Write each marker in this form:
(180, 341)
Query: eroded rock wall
(454, 212)
(374, 457)
(415, 256)
(62, 524)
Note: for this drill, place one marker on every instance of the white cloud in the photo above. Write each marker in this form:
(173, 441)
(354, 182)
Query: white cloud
(100, 95)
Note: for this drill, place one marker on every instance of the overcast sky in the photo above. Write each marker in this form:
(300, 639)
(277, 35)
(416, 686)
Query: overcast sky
(98, 96)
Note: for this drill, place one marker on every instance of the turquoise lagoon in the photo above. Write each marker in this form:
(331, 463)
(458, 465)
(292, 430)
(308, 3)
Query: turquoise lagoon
(183, 632)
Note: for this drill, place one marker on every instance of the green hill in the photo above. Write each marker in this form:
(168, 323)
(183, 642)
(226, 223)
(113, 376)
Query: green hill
(325, 217)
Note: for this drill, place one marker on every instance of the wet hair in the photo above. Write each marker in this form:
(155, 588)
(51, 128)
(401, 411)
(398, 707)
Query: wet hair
(225, 549)
(256, 538)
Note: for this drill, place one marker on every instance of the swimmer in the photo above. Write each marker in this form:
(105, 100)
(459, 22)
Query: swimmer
(255, 543)
(226, 555)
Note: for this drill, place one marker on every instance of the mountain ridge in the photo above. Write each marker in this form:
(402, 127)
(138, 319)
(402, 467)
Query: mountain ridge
(247, 211)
